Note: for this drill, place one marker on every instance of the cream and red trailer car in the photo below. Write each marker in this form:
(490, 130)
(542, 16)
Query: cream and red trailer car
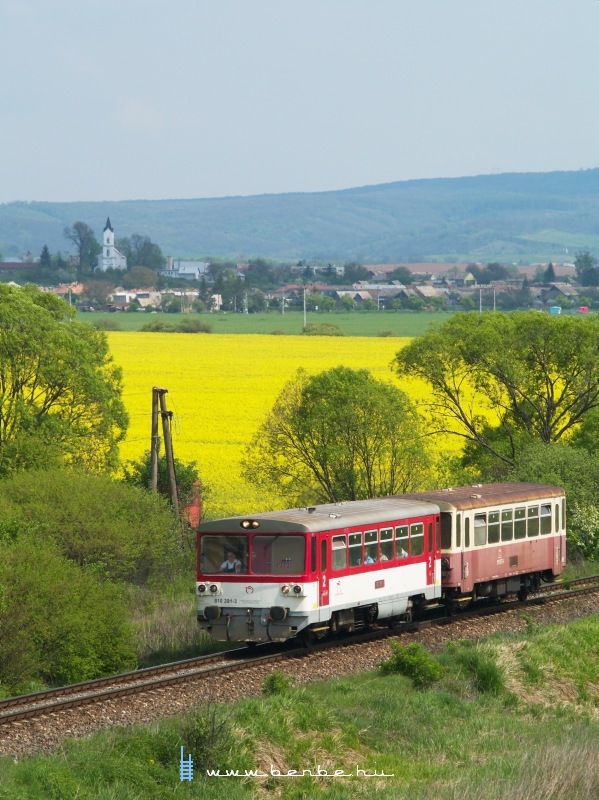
(341, 566)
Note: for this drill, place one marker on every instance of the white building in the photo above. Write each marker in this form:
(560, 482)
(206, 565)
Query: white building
(111, 257)
(180, 268)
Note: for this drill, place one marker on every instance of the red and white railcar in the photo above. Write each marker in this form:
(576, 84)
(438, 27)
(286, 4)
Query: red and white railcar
(338, 566)
(499, 539)
(279, 575)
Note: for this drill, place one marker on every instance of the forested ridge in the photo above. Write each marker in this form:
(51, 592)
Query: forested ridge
(507, 217)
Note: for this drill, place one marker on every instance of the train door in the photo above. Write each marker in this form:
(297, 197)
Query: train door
(323, 577)
(430, 569)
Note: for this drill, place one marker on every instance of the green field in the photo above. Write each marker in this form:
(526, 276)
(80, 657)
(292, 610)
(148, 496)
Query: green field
(355, 323)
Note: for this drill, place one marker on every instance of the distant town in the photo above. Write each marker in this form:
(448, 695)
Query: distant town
(133, 274)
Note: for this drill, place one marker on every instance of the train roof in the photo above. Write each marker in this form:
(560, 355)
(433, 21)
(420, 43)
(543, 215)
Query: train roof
(488, 494)
(327, 516)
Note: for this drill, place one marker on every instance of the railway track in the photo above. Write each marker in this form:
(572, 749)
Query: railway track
(23, 707)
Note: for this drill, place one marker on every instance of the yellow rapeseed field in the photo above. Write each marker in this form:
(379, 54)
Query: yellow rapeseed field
(220, 387)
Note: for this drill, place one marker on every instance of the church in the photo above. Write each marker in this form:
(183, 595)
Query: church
(110, 257)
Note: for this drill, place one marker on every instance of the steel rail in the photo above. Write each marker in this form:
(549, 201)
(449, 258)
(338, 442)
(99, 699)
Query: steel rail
(77, 695)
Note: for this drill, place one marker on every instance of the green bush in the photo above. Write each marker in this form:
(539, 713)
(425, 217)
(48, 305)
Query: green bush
(415, 662)
(189, 325)
(583, 530)
(57, 621)
(322, 329)
(122, 532)
(193, 325)
(276, 683)
(207, 733)
(107, 324)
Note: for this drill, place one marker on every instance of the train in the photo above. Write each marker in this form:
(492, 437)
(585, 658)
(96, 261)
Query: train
(308, 572)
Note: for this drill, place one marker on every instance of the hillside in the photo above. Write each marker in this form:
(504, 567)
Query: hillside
(508, 217)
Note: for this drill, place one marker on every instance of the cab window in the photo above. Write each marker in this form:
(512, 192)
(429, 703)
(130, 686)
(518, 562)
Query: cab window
(339, 552)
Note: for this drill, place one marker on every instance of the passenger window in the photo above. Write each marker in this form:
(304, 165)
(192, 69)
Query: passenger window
(458, 531)
(546, 519)
(355, 549)
(339, 552)
(533, 521)
(417, 538)
(386, 544)
(556, 518)
(493, 528)
(507, 526)
(520, 523)
(313, 554)
(563, 514)
(371, 539)
(467, 533)
(480, 529)
(402, 546)
(430, 537)
(323, 555)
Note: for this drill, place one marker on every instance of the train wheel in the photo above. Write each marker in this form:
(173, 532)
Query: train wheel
(522, 595)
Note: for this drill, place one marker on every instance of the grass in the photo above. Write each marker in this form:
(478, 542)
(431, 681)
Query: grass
(166, 627)
(456, 740)
(355, 323)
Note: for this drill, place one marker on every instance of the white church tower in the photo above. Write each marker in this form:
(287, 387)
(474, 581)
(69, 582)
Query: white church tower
(111, 257)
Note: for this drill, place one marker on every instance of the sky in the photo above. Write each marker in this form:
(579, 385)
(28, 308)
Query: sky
(161, 99)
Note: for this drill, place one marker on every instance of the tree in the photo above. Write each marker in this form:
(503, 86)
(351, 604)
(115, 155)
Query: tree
(45, 258)
(139, 278)
(256, 301)
(141, 251)
(520, 374)
(318, 301)
(338, 435)
(402, 274)
(97, 292)
(355, 272)
(231, 286)
(368, 305)
(587, 272)
(82, 236)
(138, 473)
(549, 276)
(259, 274)
(60, 393)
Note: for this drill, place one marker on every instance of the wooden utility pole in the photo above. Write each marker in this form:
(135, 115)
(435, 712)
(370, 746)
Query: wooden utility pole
(155, 442)
(158, 398)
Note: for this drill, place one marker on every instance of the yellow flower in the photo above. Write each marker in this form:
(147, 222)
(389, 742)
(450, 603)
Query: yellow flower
(221, 386)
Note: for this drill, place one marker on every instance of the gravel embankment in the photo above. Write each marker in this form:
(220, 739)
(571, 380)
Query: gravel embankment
(44, 734)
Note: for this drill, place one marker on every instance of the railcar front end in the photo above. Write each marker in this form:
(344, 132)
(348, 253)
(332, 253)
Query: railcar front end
(255, 584)
(339, 566)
